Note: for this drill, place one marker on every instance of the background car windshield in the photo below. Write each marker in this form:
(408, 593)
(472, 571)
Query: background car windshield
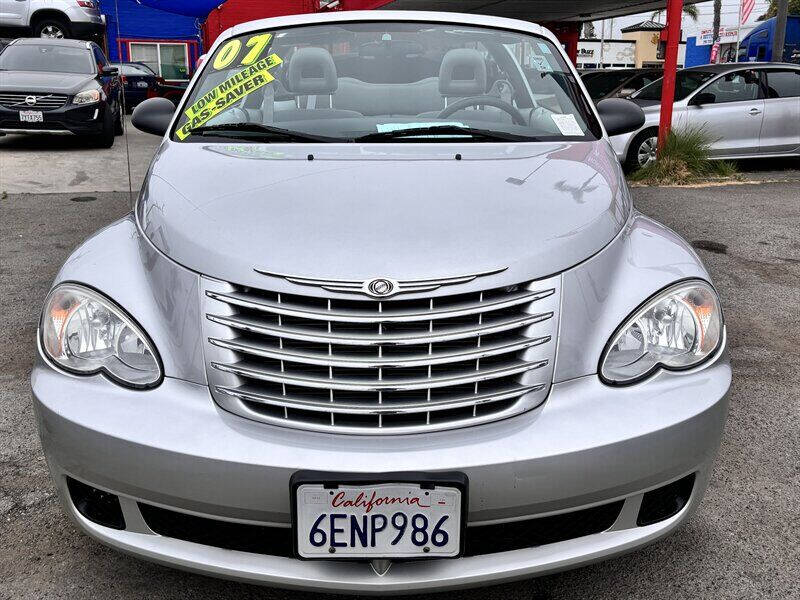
(57, 59)
(135, 70)
(348, 80)
(685, 83)
(602, 83)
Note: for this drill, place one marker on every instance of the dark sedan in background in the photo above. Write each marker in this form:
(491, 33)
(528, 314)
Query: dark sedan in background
(59, 86)
(140, 82)
(618, 83)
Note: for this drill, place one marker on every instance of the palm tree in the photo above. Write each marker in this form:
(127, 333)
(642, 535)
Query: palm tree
(690, 10)
(772, 10)
(717, 18)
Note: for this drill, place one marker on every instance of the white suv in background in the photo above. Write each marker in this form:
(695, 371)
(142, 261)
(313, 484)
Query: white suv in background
(53, 18)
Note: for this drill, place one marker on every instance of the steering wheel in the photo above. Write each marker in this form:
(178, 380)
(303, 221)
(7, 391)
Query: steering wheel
(516, 116)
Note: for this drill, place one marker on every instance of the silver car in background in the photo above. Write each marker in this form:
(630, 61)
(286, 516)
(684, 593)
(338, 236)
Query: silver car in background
(384, 319)
(747, 110)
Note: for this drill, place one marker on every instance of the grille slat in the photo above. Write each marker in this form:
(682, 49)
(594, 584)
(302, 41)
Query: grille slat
(362, 316)
(17, 100)
(379, 384)
(379, 408)
(403, 365)
(428, 357)
(378, 339)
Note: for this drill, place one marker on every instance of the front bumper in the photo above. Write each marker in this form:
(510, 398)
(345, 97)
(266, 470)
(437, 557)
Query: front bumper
(93, 29)
(69, 119)
(587, 445)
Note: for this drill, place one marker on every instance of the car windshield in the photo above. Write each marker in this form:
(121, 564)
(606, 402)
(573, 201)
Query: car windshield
(601, 84)
(134, 70)
(47, 57)
(685, 83)
(388, 80)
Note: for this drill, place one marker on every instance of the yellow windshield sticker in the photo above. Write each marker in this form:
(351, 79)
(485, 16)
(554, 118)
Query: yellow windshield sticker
(231, 49)
(228, 93)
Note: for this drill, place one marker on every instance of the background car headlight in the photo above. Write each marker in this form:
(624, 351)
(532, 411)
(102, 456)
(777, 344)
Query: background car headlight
(86, 333)
(678, 328)
(87, 97)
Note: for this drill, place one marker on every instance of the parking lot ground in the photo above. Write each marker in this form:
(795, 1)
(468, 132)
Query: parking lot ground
(39, 164)
(743, 543)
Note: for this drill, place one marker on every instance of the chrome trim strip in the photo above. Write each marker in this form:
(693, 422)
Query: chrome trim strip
(375, 409)
(356, 316)
(377, 363)
(378, 339)
(35, 131)
(416, 383)
(403, 286)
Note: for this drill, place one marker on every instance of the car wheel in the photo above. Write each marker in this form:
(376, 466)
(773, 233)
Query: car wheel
(105, 139)
(52, 29)
(642, 150)
(119, 127)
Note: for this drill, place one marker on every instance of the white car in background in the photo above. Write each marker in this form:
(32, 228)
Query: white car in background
(748, 110)
(53, 18)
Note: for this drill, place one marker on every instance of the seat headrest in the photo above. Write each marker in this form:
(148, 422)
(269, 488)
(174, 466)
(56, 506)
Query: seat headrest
(312, 72)
(463, 73)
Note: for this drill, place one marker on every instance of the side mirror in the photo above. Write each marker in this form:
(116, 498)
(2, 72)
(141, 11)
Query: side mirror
(620, 116)
(703, 98)
(153, 116)
(109, 71)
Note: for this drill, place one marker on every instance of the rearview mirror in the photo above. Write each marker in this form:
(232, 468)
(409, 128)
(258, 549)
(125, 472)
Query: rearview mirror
(620, 116)
(153, 116)
(703, 98)
(625, 92)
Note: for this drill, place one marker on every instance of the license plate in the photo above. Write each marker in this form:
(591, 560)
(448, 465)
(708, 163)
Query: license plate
(31, 116)
(386, 520)
(141, 84)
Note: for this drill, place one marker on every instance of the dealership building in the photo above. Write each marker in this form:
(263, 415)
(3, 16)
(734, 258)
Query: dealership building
(168, 43)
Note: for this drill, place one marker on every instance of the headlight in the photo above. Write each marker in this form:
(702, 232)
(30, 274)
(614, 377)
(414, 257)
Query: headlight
(678, 328)
(86, 333)
(87, 97)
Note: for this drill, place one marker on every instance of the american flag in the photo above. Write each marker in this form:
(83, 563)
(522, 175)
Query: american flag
(745, 9)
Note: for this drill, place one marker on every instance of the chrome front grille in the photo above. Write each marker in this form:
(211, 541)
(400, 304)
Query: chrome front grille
(375, 367)
(20, 101)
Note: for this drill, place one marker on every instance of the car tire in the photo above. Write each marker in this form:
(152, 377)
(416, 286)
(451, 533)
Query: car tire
(119, 127)
(105, 139)
(642, 150)
(51, 28)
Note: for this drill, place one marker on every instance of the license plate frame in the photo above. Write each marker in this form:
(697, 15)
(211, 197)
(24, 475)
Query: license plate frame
(332, 480)
(31, 116)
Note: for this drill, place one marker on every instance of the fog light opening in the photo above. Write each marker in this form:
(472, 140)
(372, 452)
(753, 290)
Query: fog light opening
(665, 502)
(96, 505)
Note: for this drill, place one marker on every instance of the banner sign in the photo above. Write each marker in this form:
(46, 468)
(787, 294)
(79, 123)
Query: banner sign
(727, 35)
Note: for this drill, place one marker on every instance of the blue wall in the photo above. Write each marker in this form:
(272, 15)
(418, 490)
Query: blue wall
(137, 21)
(696, 55)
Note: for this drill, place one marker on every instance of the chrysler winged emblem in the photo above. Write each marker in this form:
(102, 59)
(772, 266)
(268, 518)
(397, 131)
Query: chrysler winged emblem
(380, 287)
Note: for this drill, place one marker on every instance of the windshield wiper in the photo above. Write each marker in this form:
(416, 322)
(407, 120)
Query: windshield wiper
(444, 131)
(265, 132)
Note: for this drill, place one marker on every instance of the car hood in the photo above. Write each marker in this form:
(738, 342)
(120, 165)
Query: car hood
(37, 81)
(404, 211)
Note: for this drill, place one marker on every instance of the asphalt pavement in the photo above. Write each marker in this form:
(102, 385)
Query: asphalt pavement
(744, 542)
(49, 164)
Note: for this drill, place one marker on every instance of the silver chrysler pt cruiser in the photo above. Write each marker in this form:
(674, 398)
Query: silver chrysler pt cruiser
(383, 319)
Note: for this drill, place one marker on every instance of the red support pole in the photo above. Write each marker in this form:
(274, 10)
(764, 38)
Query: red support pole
(674, 13)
